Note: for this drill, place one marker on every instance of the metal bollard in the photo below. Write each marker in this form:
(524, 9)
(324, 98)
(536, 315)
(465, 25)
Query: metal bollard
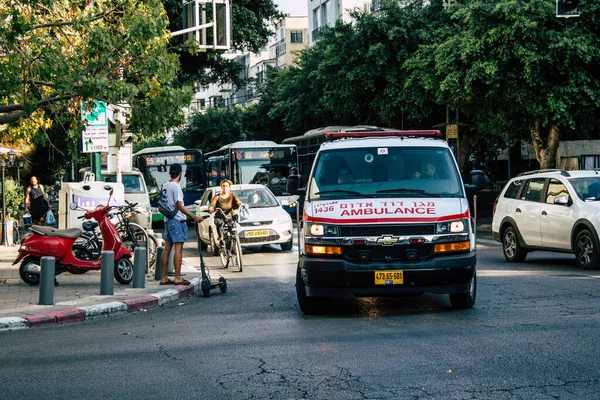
(171, 270)
(139, 268)
(47, 281)
(158, 268)
(107, 273)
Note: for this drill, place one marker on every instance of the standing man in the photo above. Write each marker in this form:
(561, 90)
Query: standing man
(176, 227)
(36, 201)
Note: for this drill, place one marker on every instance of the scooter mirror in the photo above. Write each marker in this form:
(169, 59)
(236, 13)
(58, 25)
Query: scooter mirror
(74, 206)
(108, 187)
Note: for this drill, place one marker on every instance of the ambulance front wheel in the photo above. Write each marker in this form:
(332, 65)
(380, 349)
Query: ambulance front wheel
(462, 301)
(308, 305)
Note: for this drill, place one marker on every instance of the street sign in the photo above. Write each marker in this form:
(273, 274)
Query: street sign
(95, 136)
(451, 131)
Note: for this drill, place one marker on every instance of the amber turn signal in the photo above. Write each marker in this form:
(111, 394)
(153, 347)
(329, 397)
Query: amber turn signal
(446, 247)
(310, 249)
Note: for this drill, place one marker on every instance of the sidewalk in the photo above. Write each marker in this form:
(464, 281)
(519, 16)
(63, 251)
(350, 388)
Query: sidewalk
(78, 296)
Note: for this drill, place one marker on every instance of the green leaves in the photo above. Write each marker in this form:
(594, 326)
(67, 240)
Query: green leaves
(71, 52)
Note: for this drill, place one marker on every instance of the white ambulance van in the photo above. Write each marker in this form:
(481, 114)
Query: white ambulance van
(386, 212)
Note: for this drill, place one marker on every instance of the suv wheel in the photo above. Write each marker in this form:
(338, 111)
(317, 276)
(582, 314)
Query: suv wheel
(586, 253)
(513, 252)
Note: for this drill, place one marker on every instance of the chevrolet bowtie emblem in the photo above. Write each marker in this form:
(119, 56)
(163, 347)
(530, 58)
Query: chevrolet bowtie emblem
(387, 240)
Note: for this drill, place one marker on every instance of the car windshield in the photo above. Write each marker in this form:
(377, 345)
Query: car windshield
(131, 183)
(587, 188)
(385, 172)
(256, 197)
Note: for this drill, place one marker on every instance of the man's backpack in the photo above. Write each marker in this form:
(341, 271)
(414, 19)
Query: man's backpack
(163, 206)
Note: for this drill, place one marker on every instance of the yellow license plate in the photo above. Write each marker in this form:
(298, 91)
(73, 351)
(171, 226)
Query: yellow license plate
(389, 278)
(257, 233)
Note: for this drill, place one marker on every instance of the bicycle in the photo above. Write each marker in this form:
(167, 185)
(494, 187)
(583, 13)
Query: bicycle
(134, 235)
(231, 252)
(89, 245)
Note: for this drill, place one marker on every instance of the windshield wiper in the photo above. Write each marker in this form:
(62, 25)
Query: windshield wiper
(350, 192)
(403, 190)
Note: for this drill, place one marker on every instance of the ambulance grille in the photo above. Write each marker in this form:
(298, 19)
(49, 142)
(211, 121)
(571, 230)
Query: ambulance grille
(387, 230)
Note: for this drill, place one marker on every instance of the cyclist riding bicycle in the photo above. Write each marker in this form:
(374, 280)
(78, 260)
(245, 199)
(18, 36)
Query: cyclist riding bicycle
(227, 202)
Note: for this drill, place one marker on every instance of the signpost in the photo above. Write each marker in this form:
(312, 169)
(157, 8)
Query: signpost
(95, 136)
(451, 131)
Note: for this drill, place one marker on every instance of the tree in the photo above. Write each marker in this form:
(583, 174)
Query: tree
(57, 54)
(516, 70)
(213, 129)
(354, 74)
(250, 31)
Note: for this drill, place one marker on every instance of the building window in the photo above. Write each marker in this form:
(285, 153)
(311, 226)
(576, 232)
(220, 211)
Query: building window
(316, 18)
(296, 37)
(590, 162)
(325, 14)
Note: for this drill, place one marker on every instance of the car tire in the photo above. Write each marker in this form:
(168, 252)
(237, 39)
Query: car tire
(511, 247)
(287, 245)
(463, 301)
(586, 250)
(308, 305)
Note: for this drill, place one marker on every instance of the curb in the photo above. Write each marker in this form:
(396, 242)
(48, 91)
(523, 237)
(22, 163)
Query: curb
(78, 314)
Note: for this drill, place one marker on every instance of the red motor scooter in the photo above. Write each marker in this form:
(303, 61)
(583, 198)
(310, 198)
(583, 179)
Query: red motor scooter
(58, 243)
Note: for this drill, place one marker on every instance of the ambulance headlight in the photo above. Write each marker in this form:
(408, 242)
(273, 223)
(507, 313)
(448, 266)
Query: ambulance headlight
(452, 226)
(322, 230)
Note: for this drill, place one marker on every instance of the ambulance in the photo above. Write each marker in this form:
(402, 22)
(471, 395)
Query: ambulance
(386, 213)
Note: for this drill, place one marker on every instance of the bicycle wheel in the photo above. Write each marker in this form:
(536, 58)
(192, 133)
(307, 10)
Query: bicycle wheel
(236, 257)
(136, 237)
(151, 245)
(224, 256)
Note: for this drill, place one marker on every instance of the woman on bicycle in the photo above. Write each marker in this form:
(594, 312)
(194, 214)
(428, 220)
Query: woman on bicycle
(227, 202)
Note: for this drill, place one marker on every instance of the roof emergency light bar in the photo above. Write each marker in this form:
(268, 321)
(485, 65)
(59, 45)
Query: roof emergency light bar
(365, 134)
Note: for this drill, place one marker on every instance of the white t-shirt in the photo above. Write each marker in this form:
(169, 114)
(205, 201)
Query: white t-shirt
(173, 193)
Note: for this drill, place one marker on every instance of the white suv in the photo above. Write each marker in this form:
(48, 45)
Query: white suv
(550, 210)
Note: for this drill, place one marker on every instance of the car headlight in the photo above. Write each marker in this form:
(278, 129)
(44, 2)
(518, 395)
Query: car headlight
(322, 230)
(282, 218)
(453, 226)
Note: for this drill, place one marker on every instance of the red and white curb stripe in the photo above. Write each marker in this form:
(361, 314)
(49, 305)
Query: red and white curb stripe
(77, 314)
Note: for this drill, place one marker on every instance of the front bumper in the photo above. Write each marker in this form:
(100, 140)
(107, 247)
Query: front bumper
(334, 277)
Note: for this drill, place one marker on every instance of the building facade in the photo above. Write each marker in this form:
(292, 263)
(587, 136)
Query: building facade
(323, 14)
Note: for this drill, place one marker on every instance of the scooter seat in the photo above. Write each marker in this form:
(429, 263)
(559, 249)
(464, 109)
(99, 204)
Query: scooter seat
(72, 233)
(89, 225)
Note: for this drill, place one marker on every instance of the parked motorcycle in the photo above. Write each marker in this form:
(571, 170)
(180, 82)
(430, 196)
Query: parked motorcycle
(59, 243)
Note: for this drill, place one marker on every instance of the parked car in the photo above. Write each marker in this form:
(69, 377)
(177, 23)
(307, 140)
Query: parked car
(268, 223)
(550, 210)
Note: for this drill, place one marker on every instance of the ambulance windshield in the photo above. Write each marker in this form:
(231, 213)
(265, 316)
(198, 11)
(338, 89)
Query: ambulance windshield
(385, 172)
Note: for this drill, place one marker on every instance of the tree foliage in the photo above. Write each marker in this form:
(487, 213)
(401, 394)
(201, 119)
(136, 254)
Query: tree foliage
(56, 54)
(354, 73)
(214, 129)
(516, 70)
(250, 31)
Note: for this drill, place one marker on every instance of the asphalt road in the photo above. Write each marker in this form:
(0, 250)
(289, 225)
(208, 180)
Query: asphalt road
(532, 335)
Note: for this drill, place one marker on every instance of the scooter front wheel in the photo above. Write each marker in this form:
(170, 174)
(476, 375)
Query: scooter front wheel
(124, 271)
(28, 265)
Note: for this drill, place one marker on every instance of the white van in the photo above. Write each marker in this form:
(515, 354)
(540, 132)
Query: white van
(135, 192)
(386, 212)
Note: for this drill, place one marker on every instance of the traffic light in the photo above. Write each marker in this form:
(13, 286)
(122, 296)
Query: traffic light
(567, 8)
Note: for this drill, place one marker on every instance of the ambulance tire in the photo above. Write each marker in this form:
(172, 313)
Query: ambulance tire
(463, 301)
(308, 305)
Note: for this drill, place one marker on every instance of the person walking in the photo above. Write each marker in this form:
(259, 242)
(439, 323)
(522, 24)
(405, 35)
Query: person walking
(36, 202)
(176, 227)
